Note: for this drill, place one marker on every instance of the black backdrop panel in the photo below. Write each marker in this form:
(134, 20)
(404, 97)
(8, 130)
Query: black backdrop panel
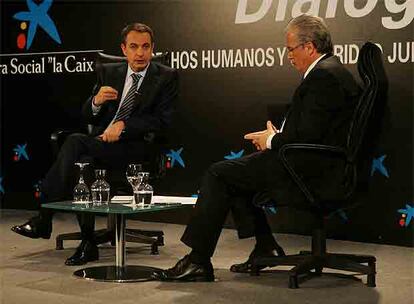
(234, 74)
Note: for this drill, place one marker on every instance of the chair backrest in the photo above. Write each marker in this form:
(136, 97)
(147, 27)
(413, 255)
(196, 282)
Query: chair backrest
(368, 117)
(103, 58)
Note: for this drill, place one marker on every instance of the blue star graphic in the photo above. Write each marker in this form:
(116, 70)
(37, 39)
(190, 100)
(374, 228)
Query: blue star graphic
(377, 164)
(21, 152)
(175, 156)
(1, 186)
(272, 209)
(37, 16)
(234, 155)
(409, 212)
(341, 213)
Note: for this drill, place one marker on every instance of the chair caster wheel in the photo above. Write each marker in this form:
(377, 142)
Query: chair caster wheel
(154, 249)
(371, 280)
(293, 282)
(59, 245)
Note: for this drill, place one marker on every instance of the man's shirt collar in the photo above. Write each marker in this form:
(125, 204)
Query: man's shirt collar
(313, 65)
(142, 73)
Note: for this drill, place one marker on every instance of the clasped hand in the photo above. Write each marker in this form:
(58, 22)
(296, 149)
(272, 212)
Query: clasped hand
(113, 132)
(259, 138)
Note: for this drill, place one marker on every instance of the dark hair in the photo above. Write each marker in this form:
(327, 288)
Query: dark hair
(138, 27)
(312, 29)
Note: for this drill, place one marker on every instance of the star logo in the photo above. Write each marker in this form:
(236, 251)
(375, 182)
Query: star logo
(20, 151)
(234, 155)
(37, 17)
(175, 156)
(341, 213)
(407, 213)
(37, 189)
(272, 209)
(1, 185)
(377, 165)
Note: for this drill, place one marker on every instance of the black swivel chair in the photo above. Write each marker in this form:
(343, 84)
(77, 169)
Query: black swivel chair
(361, 142)
(156, 165)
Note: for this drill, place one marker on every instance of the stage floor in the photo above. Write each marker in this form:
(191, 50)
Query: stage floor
(32, 271)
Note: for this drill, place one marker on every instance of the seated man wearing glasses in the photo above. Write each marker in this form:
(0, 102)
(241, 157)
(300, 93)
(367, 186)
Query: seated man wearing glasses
(320, 113)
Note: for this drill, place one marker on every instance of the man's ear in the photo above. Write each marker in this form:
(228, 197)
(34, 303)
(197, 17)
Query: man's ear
(311, 48)
(123, 48)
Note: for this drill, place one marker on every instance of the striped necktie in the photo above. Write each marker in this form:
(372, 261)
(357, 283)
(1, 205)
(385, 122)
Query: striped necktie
(128, 103)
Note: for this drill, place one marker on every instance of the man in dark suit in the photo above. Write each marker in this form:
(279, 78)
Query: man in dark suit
(320, 112)
(131, 103)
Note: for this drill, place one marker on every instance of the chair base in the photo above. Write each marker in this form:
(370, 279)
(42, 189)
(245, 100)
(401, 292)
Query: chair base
(153, 237)
(307, 263)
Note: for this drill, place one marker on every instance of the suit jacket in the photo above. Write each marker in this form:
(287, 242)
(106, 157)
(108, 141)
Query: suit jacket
(154, 107)
(321, 111)
(322, 106)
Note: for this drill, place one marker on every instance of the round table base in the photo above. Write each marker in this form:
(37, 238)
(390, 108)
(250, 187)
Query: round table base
(117, 274)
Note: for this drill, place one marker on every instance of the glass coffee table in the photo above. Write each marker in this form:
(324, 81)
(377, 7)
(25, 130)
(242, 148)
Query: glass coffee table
(120, 272)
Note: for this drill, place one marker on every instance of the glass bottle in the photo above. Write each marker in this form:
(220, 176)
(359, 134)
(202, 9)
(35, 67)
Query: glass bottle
(100, 188)
(143, 192)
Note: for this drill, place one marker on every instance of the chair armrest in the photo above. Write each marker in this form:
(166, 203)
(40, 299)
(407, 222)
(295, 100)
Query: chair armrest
(57, 138)
(322, 149)
(57, 135)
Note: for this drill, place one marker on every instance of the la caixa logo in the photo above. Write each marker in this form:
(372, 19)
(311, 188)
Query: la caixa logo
(34, 18)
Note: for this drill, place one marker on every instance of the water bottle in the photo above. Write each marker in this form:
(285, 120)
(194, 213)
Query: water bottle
(143, 192)
(100, 188)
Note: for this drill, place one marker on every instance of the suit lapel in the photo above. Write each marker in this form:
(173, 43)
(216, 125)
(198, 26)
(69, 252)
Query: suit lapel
(148, 85)
(119, 80)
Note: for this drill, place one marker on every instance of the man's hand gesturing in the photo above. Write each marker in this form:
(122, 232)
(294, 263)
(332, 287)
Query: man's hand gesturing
(259, 138)
(105, 93)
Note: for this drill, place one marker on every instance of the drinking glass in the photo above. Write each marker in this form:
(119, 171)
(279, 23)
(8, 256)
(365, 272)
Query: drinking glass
(81, 191)
(133, 175)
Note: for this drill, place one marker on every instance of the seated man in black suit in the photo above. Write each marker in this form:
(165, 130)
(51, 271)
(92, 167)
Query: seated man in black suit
(133, 100)
(320, 112)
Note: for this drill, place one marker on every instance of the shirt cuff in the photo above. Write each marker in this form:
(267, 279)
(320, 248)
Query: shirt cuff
(269, 141)
(95, 109)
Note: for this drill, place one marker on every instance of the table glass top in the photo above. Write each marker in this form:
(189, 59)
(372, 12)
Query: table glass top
(114, 208)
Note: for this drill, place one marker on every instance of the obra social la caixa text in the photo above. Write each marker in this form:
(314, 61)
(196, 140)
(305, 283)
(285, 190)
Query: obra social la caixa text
(44, 64)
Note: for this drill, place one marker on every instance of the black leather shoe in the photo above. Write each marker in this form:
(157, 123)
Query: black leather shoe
(86, 252)
(247, 266)
(187, 271)
(34, 228)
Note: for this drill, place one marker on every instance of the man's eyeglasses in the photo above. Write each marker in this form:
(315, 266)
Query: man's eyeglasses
(291, 49)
